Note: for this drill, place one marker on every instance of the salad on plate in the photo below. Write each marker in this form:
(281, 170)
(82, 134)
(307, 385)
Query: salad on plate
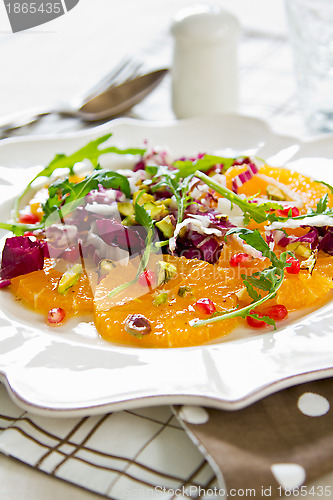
(171, 252)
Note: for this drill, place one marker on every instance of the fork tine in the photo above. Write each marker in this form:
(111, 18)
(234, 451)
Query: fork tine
(128, 73)
(111, 78)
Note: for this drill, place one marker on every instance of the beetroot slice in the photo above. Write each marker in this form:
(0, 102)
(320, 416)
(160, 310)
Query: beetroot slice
(21, 255)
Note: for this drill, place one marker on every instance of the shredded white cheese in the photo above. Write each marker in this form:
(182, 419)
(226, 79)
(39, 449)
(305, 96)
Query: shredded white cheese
(198, 223)
(232, 211)
(315, 221)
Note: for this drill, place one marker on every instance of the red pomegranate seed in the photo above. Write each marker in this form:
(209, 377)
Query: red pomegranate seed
(147, 278)
(277, 312)
(205, 306)
(29, 233)
(239, 258)
(56, 316)
(29, 219)
(255, 323)
(287, 211)
(295, 266)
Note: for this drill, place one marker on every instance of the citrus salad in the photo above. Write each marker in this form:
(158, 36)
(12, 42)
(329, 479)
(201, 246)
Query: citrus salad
(171, 252)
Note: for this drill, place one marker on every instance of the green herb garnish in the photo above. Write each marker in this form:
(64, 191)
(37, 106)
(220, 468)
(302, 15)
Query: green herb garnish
(90, 151)
(63, 193)
(142, 216)
(269, 280)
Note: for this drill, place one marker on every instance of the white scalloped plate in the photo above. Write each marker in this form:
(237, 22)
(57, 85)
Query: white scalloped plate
(70, 371)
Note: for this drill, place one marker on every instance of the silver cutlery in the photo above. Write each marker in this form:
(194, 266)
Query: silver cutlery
(98, 105)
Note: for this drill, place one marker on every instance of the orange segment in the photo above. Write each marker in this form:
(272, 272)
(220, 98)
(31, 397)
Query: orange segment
(170, 321)
(309, 190)
(39, 290)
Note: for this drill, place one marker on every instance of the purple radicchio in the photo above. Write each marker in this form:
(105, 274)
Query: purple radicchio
(320, 238)
(245, 176)
(312, 238)
(114, 233)
(198, 246)
(203, 245)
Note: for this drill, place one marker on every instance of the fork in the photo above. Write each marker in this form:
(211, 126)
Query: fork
(126, 70)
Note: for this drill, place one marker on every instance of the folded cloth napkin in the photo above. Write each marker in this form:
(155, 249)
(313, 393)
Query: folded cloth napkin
(282, 442)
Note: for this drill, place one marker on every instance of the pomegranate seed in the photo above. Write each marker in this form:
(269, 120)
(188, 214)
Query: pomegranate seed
(287, 211)
(29, 219)
(277, 312)
(239, 258)
(255, 323)
(56, 316)
(205, 306)
(71, 254)
(29, 233)
(295, 266)
(147, 278)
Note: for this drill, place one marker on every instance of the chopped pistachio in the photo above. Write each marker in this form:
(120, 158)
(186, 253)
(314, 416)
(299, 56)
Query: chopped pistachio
(242, 293)
(165, 272)
(166, 202)
(156, 211)
(69, 278)
(144, 198)
(125, 208)
(300, 249)
(160, 299)
(182, 232)
(184, 290)
(105, 266)
(274, 193)
(166, 227)
(137, 325)
(129, 221)
(292, 247)
(304, 251)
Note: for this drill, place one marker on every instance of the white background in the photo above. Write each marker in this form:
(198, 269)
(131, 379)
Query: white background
(55, 61)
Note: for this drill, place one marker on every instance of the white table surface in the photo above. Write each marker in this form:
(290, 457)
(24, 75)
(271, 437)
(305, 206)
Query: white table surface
(54, 62)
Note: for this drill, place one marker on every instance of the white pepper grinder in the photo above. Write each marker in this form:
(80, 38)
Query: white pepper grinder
(205, 62)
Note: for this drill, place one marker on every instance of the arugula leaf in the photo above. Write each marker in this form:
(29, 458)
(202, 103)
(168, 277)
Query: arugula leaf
(255, 211)
(178, 178)
(262, 212)
(268, 280)
(256, 241)
(266, 319)
(250, 290)
(142, 216)
(189, 167)
(321, 205)
(327, 185)
(63, 192)
(163, 177)
(18, 228)
(90, 151)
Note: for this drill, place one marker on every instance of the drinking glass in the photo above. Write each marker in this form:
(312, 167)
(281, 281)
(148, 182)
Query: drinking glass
(310, 24)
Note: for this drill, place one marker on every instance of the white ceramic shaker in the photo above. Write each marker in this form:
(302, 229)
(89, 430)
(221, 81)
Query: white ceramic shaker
(205, 62)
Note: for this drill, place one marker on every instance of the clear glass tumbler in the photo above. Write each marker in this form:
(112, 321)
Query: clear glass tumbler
(310, 24)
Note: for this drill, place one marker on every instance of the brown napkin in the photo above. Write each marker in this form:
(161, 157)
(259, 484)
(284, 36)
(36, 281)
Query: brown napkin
(280, 443)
